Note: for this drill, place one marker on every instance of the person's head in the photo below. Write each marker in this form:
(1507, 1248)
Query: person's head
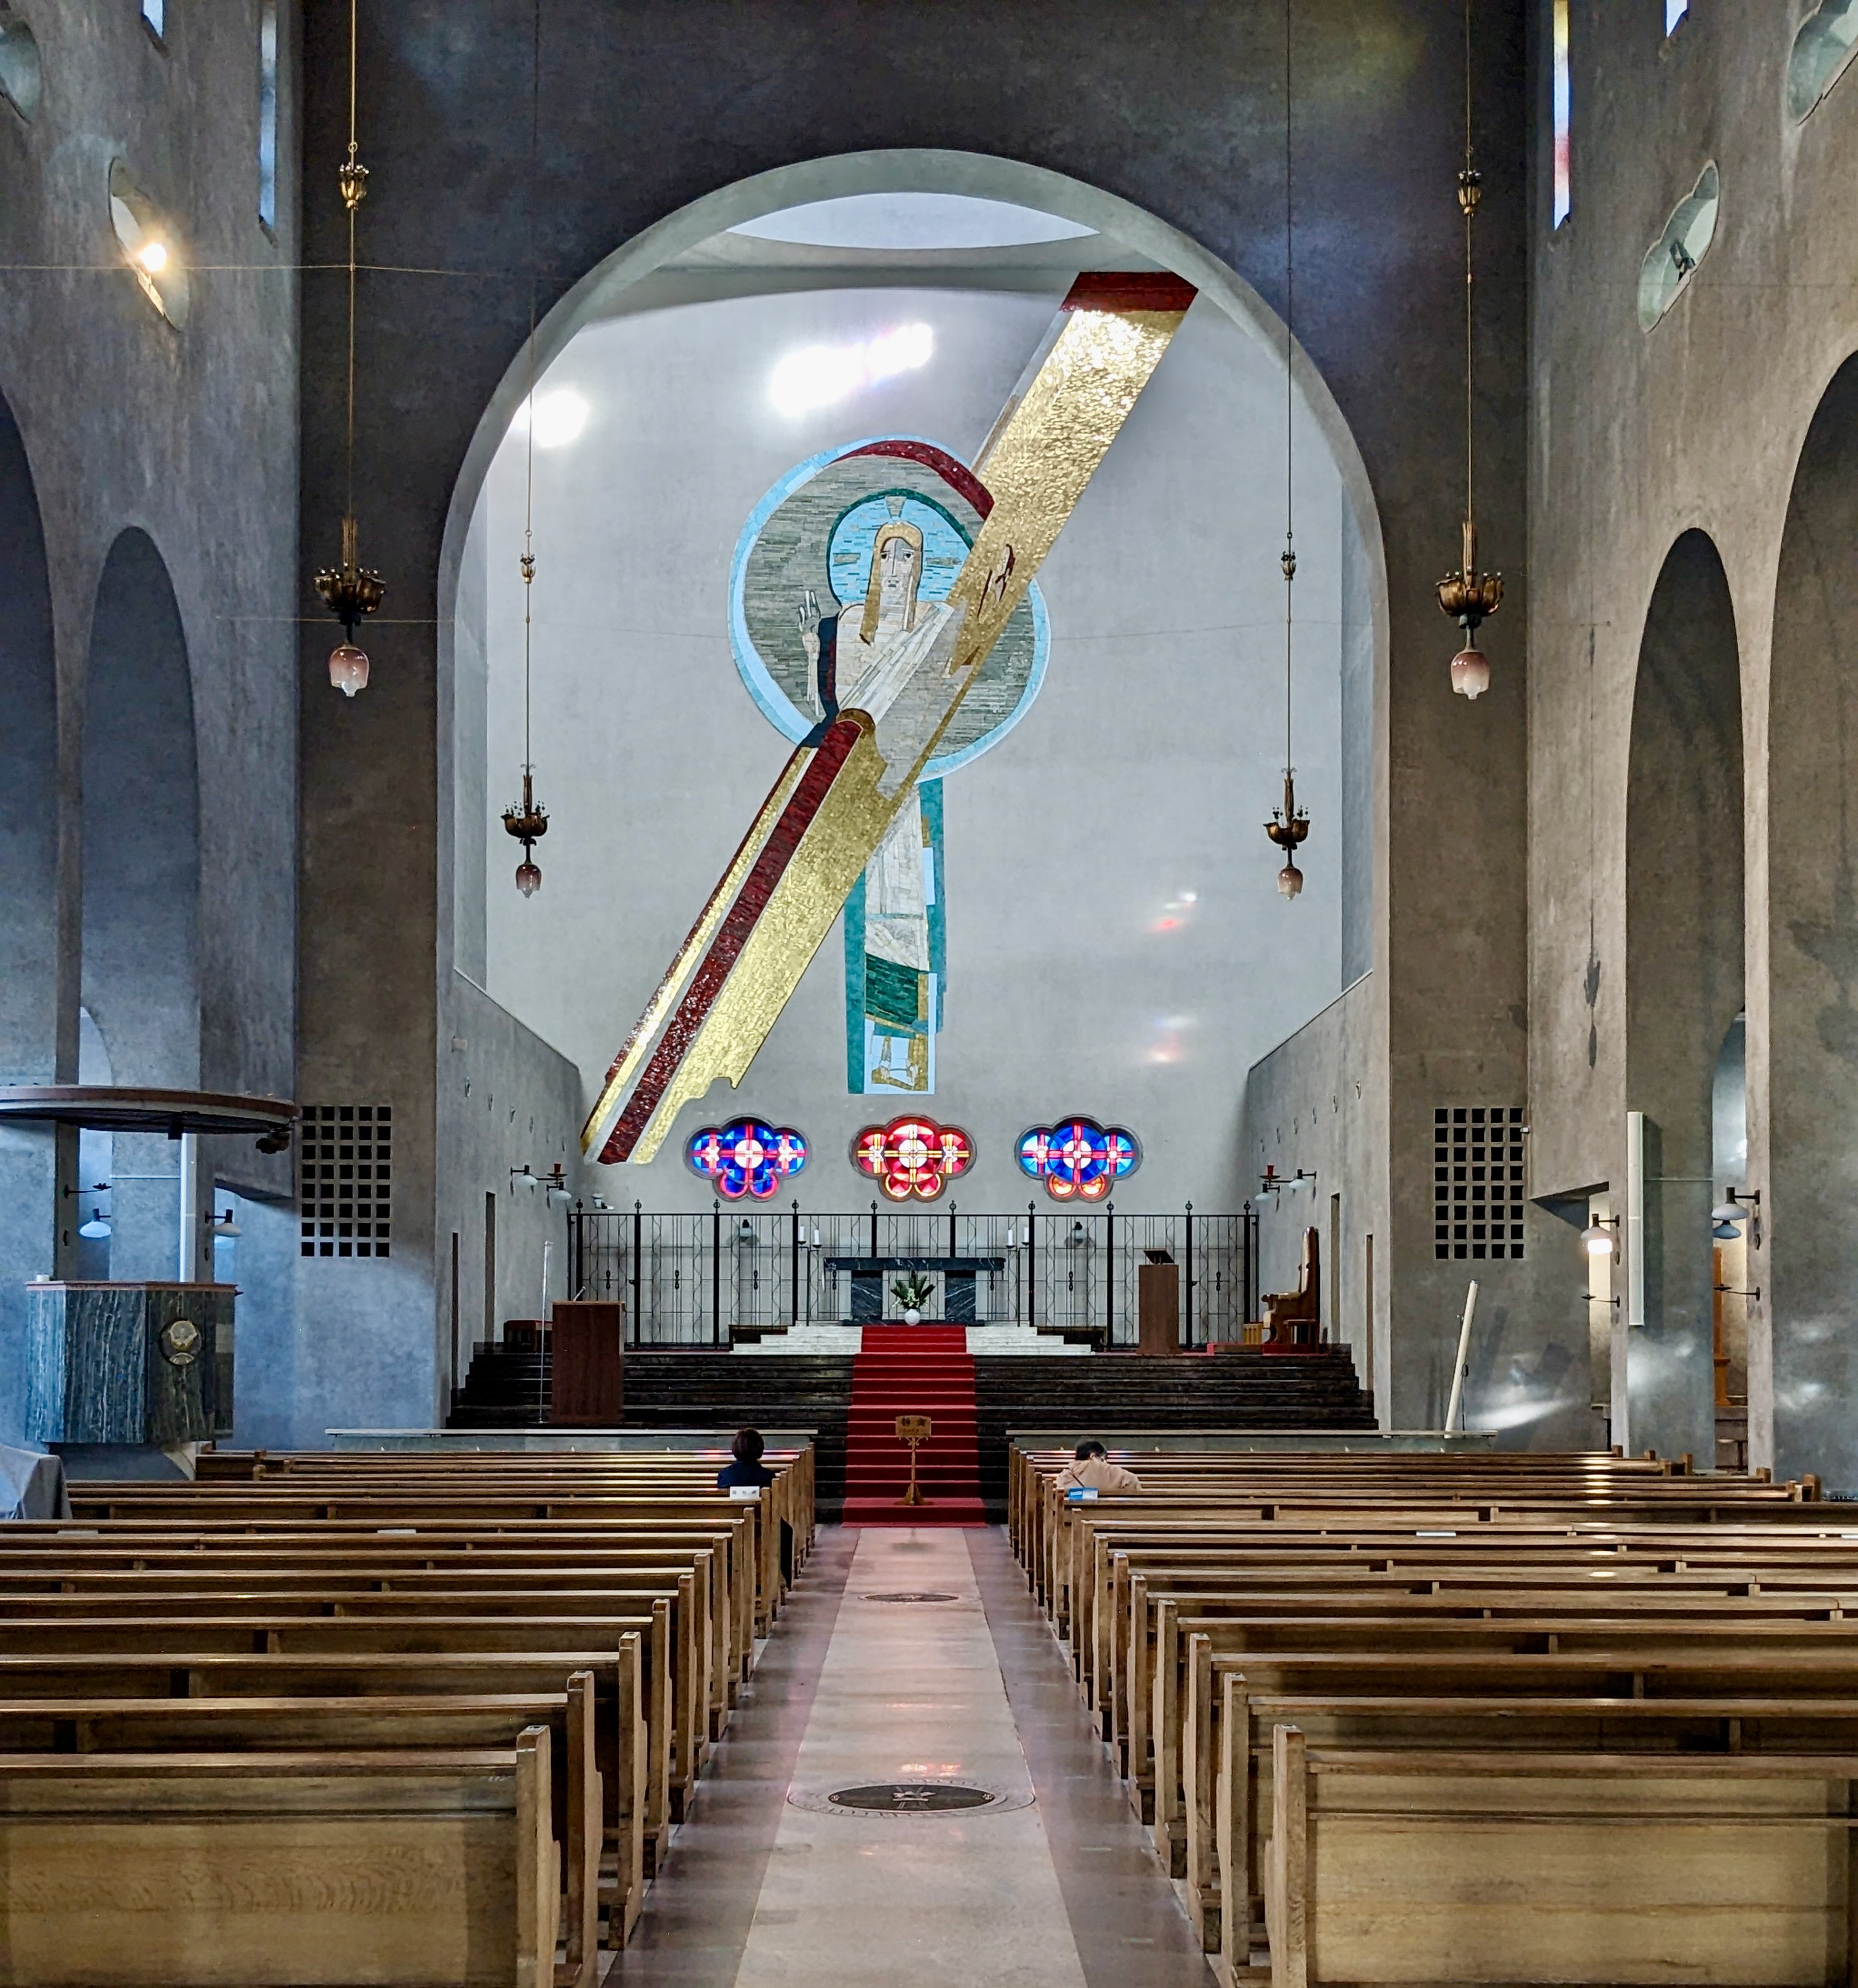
(1087, 1450)
(747, 1446)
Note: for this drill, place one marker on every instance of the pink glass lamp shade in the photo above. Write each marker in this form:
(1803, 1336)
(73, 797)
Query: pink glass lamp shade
(348, 668)
(1470, 673)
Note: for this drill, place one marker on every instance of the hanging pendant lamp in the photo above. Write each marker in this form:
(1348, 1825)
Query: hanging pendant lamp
(350, 591)
(1289, 824)
(529, 821)
(1468, 596)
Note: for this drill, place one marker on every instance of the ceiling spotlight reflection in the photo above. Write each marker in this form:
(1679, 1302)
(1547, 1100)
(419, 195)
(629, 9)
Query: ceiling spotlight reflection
(560, 417)
(1176, 912)
(817, 375)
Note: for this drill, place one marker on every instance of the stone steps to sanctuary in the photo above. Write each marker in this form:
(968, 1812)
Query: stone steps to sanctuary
(1095, 1394)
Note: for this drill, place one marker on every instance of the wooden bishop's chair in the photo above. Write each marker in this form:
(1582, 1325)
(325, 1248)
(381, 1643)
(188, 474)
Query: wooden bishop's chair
(1295, 1318)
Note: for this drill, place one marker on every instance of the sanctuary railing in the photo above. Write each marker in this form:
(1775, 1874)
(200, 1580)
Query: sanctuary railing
(708, 1279)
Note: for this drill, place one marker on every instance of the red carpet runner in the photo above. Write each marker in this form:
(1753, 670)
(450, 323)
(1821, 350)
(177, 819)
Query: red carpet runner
(913, 1370)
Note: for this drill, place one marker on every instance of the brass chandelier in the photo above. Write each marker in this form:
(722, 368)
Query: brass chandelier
(1289, 824)
(527, 822)
(1468, 596)
(350, 591)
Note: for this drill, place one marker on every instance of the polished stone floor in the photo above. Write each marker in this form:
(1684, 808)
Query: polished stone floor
(1060, 1889)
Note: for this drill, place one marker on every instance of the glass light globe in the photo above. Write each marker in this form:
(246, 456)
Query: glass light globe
(1470, 673)
(1290, 881)
(528, 879)
(1596, 1238)
(348, 668)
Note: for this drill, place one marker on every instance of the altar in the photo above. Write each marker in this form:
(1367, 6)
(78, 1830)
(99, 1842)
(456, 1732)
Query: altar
(959, 1276)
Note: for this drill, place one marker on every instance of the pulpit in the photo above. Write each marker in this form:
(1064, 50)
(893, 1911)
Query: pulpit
(128, 1363)
(587, 1365)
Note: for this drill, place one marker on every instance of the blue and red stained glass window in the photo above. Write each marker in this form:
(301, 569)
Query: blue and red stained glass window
(746, 1158)
(1077, 1159)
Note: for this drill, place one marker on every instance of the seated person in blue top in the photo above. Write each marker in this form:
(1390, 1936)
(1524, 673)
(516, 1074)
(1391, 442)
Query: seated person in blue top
(747, 1469)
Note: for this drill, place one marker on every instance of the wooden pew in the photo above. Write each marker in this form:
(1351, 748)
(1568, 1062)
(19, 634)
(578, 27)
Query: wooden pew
(422, 1573)
(458, 1685)
(1658, 1728)
(1473, 1867)
(176, 1870)
(86, 1725)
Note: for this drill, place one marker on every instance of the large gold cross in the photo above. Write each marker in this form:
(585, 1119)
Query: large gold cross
(829, 809)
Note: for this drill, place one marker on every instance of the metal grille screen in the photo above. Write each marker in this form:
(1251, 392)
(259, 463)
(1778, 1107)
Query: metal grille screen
(1477, 1181)
(345, 1179)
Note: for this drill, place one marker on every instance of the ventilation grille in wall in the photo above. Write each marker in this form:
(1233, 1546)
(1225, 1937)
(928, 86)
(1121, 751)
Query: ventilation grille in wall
(1477, 1181)
(345, 1179)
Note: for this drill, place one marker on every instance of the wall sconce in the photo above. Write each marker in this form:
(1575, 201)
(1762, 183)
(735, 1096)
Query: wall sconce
(554, 1180)
(1601, 1238)
(745, 1234)
(1738, 1205)
(97, 1228)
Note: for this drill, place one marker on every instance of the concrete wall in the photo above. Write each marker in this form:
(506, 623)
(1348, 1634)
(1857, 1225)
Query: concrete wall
(189, 438)
(1174, 110)
(1117, 944)
(1313, 1107)
(1637, 438)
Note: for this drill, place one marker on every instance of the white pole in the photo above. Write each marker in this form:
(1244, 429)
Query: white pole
(546, 1245)
(189, 1208)
(1458, 1372)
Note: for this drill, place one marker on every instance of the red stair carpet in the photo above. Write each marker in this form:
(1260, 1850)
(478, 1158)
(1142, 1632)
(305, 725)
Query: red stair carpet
(913, 1370)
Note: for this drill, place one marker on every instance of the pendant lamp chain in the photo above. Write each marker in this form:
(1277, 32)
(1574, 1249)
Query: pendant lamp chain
(350, 591)
(1469, 596)
(529, 821)
(1289, 825)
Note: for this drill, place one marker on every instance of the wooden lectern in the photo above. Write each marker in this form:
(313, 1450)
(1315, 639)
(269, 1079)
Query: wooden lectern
(1158, 1306)
(588, 1370)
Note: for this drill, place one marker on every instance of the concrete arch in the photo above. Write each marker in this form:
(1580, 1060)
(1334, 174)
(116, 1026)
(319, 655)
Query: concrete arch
(1808, 1265)
(140, 917)
(28, 891)
(1685, 920)
(28, 774)
(919, 170)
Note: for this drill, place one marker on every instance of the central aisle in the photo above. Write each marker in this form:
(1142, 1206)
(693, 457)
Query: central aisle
(771, 1886)
(909, 1690)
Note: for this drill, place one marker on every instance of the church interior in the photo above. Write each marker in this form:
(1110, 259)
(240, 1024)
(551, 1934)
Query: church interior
(907, 1069)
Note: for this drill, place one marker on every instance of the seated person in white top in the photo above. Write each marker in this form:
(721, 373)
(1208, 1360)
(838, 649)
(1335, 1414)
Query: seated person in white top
(1094, 1471)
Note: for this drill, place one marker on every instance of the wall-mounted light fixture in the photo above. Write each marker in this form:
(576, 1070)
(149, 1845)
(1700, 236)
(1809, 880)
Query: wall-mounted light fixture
(97, 1228)
(1738, 1205)
(1601, 1236)
(555, 1183)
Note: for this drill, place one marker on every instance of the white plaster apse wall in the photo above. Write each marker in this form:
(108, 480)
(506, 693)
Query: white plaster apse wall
(1116, 943)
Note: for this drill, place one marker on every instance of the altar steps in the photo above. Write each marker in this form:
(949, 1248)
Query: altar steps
(919, 1369)
(710, 1389)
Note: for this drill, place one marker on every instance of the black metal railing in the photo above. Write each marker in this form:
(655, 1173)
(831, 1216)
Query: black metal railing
(704, 1279)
